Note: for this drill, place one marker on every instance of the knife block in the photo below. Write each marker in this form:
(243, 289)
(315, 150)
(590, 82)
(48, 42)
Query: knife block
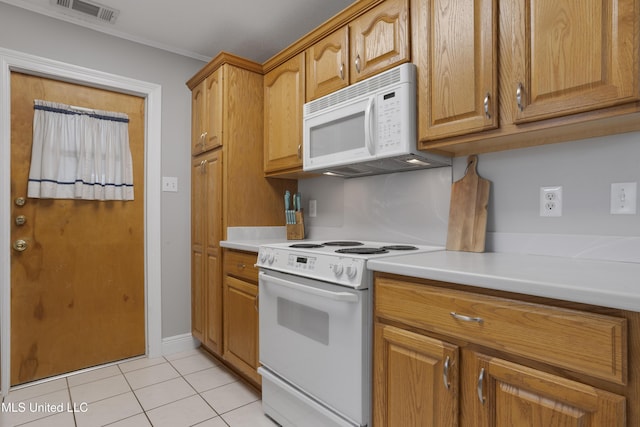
(296, 231)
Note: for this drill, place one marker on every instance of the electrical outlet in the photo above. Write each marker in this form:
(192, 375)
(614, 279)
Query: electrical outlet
(623, 198)
(551, 201)
(313, 208)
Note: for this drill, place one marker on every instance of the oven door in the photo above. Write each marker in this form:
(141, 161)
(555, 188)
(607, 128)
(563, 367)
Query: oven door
(316, 336)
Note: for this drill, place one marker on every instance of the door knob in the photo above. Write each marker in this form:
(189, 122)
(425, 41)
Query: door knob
(20, 201)
(21, 219)
(20, 245)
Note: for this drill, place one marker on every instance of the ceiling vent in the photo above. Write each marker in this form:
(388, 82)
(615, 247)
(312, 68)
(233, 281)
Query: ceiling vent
(88, 9)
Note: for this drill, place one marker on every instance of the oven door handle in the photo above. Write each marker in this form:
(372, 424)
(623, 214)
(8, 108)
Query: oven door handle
(336, 296)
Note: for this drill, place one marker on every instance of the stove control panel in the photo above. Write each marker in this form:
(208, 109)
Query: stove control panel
(342, 270)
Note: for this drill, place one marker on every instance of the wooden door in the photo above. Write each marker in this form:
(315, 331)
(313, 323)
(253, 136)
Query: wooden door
(213, 98)
(213, 234)
(77, 291)
(415, 380)
(283, 103)
(206, 225)
(328, 64)
(508, 394)
(198, 118)
(379, 39)
(457, 58)
(569, 56)
(241, 325)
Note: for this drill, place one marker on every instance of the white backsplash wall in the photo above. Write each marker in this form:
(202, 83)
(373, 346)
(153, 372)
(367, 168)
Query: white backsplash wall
(585, 169)
(413, 206)
(405, 207)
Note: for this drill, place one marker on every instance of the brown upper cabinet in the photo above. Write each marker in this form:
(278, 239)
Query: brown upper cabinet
(568, 57)
(457, 66)
(501, 74)
(206, 114)
(372, 42)
(283, 101)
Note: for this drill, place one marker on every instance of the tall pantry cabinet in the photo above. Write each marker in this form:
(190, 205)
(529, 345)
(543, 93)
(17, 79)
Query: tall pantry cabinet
(228, 187)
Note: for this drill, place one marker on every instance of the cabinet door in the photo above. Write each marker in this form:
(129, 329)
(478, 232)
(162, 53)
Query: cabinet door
(241, 326)
(508, 394)
(457, 66)
(415, 380)
(198, 118)
(198, 250)
(283, 102)
(212, 171)
(328, 64)
(214, 98)
(573, 56)
(379, 39)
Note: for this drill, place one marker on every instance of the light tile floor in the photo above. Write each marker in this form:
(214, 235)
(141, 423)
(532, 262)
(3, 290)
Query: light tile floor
(185, 389)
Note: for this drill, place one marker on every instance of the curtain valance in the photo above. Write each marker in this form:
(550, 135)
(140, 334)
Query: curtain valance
(80, 154)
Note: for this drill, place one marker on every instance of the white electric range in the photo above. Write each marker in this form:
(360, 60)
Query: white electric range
(315, 330)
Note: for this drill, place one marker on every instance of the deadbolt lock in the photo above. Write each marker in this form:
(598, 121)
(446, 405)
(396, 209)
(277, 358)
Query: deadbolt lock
(20, 245)
(21, 219)
(20, 201)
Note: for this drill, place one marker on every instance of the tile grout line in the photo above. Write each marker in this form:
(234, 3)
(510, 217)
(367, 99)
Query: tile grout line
(135, 396)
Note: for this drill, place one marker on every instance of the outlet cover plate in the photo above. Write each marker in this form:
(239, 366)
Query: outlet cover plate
(624, 198)
(551, 201)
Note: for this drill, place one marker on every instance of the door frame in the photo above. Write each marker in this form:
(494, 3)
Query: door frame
(152, 93)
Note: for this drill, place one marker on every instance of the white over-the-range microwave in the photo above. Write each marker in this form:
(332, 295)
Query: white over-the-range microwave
(367, 128)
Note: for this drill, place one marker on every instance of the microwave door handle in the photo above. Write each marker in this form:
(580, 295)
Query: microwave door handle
(368, 127)
(336, 296)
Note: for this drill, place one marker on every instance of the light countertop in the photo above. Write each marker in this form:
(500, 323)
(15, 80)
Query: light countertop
(604, 283)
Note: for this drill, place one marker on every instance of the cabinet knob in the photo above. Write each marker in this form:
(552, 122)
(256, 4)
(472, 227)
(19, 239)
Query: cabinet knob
(342, 71)
(358, 63)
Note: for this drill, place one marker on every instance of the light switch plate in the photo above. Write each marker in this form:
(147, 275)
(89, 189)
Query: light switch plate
(170, 183)
(624, 198)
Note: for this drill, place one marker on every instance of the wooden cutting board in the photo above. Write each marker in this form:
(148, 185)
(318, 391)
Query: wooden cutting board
(468, 211)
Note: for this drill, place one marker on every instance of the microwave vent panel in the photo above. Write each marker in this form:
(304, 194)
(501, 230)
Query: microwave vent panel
(87, 10)
(358, 89)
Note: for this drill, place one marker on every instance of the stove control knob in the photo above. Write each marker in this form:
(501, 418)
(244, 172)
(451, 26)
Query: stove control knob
(263, 257)
(271, 257)
(352, 270)
(337, 269)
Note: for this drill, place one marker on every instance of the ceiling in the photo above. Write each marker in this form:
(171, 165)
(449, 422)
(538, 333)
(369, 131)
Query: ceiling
(200, 29)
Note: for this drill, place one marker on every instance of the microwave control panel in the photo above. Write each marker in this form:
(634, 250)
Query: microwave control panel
(389, 120)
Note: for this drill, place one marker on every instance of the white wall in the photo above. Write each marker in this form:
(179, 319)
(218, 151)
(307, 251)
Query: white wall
(28, 32)
(413, 206)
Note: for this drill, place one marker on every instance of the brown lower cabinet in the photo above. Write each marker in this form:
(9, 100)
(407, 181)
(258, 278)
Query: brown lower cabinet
(240, 312)
(452, 355)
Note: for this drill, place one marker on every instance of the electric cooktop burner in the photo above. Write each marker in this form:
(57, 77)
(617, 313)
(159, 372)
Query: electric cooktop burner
(343, 243)
(399, 247)
(306, 245)
(362, 251)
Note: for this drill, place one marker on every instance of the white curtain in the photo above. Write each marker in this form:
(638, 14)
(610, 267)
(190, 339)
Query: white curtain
(79, 154)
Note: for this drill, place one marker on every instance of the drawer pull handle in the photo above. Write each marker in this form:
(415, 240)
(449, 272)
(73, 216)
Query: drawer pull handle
(241, 266)
(445, 372)
(481, 386)
(487, 98)
(466, 318)
(519, 96)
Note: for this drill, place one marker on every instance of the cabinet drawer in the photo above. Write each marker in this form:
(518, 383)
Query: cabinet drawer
(241, 264)
(583, 342)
